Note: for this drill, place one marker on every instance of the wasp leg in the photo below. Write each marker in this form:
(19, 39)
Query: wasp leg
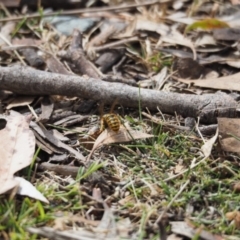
(102, 125)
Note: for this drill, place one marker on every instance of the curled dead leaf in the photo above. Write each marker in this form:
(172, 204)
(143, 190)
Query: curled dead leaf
(17, 149)
(123, 135)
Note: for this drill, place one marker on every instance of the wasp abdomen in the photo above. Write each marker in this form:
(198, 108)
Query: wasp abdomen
(112, 121)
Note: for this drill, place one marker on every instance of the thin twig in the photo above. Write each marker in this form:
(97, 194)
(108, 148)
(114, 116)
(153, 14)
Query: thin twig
(172, 201)
(15, 52)
(158, 121)
(85, 10)
(115, 44)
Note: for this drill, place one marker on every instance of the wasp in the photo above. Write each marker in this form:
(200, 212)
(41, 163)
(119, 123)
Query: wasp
(110, 120)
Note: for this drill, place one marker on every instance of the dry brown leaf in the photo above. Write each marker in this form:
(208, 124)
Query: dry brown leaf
(181, 17)
(229, 131)
(27, 189)
(123, 135)
(228, 34)
(233, 63)
(205, 39)
(17, 149)
(20, 101)
(231, 82)
(188, 68)
(6, 33)
(54, 65)
(207, 147)
(175, 37)
(141, 23)
(47, 106)
(160, 78)
(49, 137)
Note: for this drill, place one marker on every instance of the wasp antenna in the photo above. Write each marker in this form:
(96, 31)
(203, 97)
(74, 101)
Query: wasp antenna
(100, 108)
(113, 105)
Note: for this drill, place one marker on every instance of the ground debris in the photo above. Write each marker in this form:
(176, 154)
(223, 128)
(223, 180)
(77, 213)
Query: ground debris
(164, 164)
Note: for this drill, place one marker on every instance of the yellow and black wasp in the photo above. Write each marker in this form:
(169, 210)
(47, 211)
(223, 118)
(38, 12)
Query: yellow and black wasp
(109, 120)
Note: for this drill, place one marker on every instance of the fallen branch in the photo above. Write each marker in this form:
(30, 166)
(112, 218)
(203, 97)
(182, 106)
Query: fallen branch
(26, 80)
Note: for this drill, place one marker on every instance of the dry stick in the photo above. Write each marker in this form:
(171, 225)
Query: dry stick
(64, 170)
(115, 44)
(28, 81)
(84, 10)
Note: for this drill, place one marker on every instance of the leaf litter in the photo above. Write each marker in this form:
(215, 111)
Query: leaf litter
(18, 145)
(172, 173)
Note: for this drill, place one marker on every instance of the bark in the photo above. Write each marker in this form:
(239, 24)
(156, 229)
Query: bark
(26, 80)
